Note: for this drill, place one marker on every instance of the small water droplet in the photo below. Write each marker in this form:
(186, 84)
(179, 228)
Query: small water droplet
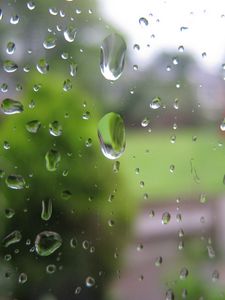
(112, 56)
(166, 218)
(183, 28)
(12, 238)
(73, 68)
(183, 273)
(73, 242)
(215, 275)
(46, 211)
(173, 139)
(158, 261)
(6, 145)
(136, 47)
(53, 11)
(10, 48)
(50, 269)
(111, 134)
(169, 295)
(22, 278)
(86, 115)
(203, 198)
(52, 159)
(211, 251)
(42, 66)
(176, 103)
(47, 242)
(70, 33)
(4, 87)
(9, 213)
(66, 195)
(33, 126)
(49, 42)
(14, 19)
(172, 168)
(31, 5)
(156, 103)
(181, 48)
(9, 66)
(145, 122)
(77, 290)
(175, 60)
(15, 182)
(116, 166)
(90, 281)
(143, 22)
(85, 244)
(67, 85)
(55, 128)
(222, 125)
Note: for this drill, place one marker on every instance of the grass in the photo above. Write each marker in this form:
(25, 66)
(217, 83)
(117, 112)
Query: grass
(199, 165)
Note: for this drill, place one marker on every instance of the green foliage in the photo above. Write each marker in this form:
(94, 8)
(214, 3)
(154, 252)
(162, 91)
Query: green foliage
(81, 172)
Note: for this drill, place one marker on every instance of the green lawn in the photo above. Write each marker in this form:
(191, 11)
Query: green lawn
(153, 153)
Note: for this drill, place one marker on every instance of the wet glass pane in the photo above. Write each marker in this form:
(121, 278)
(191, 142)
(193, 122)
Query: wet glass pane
(112, 153)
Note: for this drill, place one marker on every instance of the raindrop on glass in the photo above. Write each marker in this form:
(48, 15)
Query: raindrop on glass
(73, 69)
(183, 273)
(55, 128)
(42, 66)
(9, 66)
(156, 103)
(67, 85)
(111, 134)
(15, 182)
(70, 33)
(145, 122)
(47, 242)
(166, 218)
(22, 278)
(222, 125)
(52, 159)
(50, 269)
(14, 20)
(90, 281)
(46, 211)
(49, 42)
(33, 126)
(143, 22)
(158, 261)
(112, 56)
(9, 213)
(10, 48)
(13, 238)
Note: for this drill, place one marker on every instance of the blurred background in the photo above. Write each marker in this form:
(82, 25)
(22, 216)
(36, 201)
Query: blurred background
(150, 223)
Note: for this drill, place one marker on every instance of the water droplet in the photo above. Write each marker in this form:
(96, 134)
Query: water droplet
(176, 103)
(181, 48)
(53, 11)
(165, 218)
(86, 115)
(215, 275)
(47, 242)
(143, 22)
(116, 166)
(52, 159)
(168, 68)
(203, 54)
(33, 126)
(88, 142)
(175, 60)
(158, 261)
(183, 273)
(183, 28)
(181, 245)
(112, 56)
(173, 139)
(46, 211)
(15, 182)
(9, 213)
(136, 47)
(10, 48)
(145, 122)
(22, 278)
(12, 238)
(6, 145)
(211, 251)
(42, 66)
(172, 168)
(50, 269)
(49, 42)
(156, 103)
(4, 87)
(169, 295)
(2, 173)
(90, 281)
(66, 195)
(203, 198)
(181, 233)
(55, 128)
(77, 290)
(31, 5)
(73, 69)
(70, 33)
(85, 244)
(9, 66)
(151, 213)
(1, 14)
(111, 134)
(222, 125)
(73, 242)
(14, 20)
(67, 85)
(8, 257)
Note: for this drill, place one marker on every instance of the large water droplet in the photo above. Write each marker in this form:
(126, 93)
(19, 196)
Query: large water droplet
(10, 48)
(12, 238)
(49, 42)
(9, 66)
(112, 56)
(46, 211)
(55, 128)
(52, 159)
(111, 133)
(33, 126)
(47, 242)
(70, 33)
(42, 66)
(15, 182)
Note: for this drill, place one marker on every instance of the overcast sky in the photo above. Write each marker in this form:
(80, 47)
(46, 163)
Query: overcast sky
(204, 21)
